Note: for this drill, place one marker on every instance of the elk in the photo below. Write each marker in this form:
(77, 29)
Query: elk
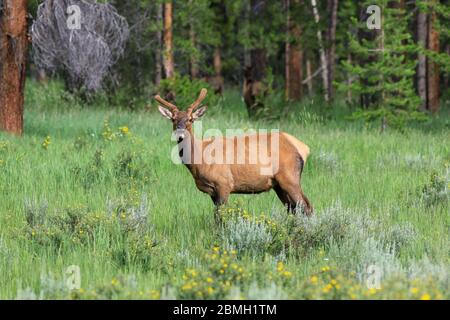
(219, 179)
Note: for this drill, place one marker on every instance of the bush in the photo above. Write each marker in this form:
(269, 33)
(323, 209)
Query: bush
(246, 236)
(223, 271)
(186, 91)
(437, 190)
(250, 233)
(125, 226)
(331, 225)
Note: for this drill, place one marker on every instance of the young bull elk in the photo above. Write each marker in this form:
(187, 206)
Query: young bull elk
(219, 178)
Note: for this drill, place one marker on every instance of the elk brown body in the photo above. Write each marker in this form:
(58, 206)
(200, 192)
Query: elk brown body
(222, 178)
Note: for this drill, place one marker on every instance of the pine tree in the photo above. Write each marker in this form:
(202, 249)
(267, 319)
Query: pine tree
(383, 69)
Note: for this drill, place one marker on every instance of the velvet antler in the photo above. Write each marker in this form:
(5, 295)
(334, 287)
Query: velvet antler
(169, 105)
(197, 102)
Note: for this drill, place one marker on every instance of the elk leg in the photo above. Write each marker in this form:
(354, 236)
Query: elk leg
(219, 198)
(295, 197)
(282, 195)
(307, 205)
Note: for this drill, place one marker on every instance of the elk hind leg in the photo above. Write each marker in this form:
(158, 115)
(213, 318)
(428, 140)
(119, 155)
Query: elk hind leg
(295, 198)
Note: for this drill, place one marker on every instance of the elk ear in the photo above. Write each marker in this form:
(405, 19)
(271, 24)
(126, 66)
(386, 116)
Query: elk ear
(199, 113)
(165, 113)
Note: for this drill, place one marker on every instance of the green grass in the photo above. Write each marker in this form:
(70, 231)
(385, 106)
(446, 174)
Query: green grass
(363, 170)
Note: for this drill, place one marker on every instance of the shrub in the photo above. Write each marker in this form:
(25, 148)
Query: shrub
(399, 235)
(437, 190)
(331, 283)
(252, 233)
(328, 160)
(333, 224)
(125, 225)
(35, 212)
(246, 236)
(222, 272)
(136, 237)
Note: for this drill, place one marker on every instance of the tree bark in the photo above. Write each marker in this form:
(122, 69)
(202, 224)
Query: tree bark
(254, 86)
(193, 63)
(13, 51)
(309, 76)
(218, 82)
(323, 59)
(158, 51)
(168, 61)
(433, 68)
(422, 61)
(332, 50)
(294, 56)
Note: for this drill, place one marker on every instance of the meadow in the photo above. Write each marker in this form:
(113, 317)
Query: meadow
(94, 187)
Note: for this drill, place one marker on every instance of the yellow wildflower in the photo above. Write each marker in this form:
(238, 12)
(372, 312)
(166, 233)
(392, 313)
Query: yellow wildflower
(124, 130)
(186, 287)
(425, 296)
(414, 290)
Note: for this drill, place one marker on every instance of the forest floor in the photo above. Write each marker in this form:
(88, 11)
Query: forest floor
(93, 191)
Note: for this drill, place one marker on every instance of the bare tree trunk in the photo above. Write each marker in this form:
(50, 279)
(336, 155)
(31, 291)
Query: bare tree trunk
(309, 76)
(332, 52)
(433, 68)
(13, 50)
(168, 62)
(254, 86)
(422, 65)
(323, 59)
(218, 82)
(193, 63)
(294, 56)
(158, 53)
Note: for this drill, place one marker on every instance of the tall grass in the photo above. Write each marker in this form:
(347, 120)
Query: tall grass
(70, 158)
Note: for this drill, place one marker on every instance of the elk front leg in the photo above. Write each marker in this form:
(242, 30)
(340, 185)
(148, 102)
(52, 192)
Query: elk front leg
(220, 197)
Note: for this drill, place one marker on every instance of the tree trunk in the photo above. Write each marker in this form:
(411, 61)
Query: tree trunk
(13, 51)
(422, 64)
(168, 42)
(193, 63)
(254, 86)
(309, 82)
(294, 56)
(218, 83)
(433, 68)
(158, 53)
(332, 50)
(323, 59)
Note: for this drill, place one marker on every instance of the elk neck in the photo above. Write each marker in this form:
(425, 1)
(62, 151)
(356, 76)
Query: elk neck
(194, 148)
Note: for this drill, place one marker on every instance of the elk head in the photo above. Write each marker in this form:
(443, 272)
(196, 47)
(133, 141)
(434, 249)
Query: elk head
(182, 120)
